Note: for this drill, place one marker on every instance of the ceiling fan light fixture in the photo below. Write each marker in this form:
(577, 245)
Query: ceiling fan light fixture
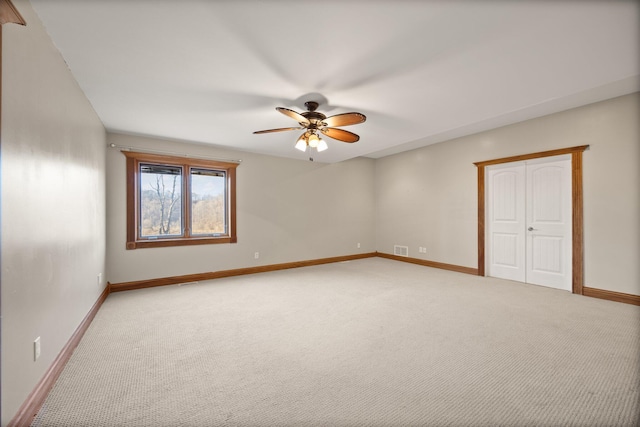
(313, 140)
(301, 144)
(322, 145)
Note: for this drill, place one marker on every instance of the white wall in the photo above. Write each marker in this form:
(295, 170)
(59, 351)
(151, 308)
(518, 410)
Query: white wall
(287, 210)
(427, 197)
(53, 206)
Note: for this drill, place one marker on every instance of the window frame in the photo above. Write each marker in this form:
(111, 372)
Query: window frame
(135, 241)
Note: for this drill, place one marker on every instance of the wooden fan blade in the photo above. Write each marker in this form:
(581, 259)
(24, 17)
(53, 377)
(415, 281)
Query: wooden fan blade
(295, 116)
(345, 119)
(340, 135)
(276, 130)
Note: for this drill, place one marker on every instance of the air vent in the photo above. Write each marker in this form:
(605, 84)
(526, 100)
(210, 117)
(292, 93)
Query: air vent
(401, 250)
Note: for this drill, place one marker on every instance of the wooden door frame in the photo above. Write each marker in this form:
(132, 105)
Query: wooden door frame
(577, 206)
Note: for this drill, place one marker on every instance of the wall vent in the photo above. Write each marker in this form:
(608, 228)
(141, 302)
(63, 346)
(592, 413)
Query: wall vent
(401, 250)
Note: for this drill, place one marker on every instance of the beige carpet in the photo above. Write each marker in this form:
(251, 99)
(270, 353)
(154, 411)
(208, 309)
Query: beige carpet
(372, 342)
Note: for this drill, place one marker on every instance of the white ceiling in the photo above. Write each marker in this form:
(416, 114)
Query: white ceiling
(422, 71)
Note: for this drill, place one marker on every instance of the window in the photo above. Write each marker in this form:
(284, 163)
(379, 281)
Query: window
(174, 201)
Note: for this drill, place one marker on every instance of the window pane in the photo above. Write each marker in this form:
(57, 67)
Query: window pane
(208, 202)
(160, 201)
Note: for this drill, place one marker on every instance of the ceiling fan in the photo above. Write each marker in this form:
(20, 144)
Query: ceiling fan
(313, 122)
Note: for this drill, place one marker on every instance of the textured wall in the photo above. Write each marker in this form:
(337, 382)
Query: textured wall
(53, 206)
(427, 197)
(287, 210)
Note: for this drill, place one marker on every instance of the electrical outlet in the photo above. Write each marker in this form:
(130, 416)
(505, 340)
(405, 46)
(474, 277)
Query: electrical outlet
(358, 245)
(256, 255)
(36, 349)
(99, 278)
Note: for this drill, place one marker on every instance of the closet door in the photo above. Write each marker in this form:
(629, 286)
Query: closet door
(529, 221)
(506, 221)
(548, 249)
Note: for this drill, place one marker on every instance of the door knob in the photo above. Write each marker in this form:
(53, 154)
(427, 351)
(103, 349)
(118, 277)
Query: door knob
(531, 229)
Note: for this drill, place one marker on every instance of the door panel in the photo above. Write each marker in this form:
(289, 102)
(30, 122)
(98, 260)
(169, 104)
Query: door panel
(506, 188)
(547, 253)
(549, 224)
(505, 247)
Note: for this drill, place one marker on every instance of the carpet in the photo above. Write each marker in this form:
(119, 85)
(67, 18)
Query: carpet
(371, 342)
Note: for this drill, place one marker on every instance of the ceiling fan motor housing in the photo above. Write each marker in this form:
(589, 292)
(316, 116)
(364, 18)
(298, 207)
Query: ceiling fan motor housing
(315, 118)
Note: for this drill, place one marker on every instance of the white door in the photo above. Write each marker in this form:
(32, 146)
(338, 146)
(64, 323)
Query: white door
(529, 221)
(549, 223)
(506, 221)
